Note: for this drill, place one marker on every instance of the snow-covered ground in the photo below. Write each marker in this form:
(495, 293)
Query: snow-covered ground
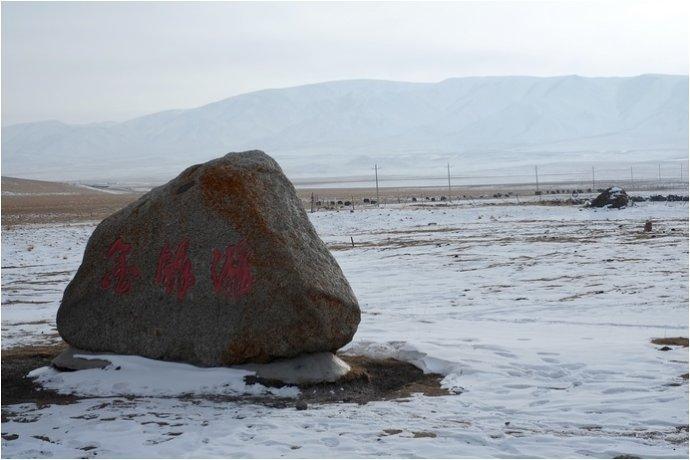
(540, 317)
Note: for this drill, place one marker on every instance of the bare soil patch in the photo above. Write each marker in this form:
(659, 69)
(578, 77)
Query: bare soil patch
(370, 380)
(17, 388)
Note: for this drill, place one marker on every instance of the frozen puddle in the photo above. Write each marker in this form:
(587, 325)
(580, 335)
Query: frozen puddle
(539, 316)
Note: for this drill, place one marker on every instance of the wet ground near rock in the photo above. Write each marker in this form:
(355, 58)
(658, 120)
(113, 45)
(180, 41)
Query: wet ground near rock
(17, 388)
(369, 380)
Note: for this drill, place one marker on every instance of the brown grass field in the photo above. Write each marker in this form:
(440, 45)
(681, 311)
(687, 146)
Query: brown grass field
(30, 201)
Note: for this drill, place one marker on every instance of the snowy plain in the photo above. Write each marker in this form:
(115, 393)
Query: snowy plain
(540, 318)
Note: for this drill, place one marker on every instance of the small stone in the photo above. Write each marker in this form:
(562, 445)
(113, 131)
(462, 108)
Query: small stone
(301, 405)
(73, 359)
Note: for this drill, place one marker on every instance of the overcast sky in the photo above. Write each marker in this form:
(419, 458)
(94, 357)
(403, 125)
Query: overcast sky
(87, 62)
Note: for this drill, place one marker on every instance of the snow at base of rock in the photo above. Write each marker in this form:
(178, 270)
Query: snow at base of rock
(137, 376)
(303, 369)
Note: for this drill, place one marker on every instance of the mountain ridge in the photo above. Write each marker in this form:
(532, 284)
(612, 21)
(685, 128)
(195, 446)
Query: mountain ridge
(323, 127)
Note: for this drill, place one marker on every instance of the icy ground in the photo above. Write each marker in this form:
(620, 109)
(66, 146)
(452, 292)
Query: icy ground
(540, 315)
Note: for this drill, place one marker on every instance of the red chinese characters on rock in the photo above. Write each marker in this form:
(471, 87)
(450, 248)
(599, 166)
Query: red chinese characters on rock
(230, 270)
(174, 271)
(120, 277)
(231, 273)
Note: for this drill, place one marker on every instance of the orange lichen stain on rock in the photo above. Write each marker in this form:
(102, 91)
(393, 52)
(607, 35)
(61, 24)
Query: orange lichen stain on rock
(239, 196)
(332, 303)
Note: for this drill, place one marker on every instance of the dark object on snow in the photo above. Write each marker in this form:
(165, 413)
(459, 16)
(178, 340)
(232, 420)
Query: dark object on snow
(648, 226)
(301, 405)
(218, 266)
(668, 198)
(612, 197)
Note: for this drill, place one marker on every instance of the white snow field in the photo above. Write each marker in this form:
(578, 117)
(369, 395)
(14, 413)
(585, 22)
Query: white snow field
(540, 318)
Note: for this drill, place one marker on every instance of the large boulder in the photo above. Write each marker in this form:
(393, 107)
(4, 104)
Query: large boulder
(612, 197)
(219, 266)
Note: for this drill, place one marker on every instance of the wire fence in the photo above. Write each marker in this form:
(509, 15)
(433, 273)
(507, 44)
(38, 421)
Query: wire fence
(539, 182)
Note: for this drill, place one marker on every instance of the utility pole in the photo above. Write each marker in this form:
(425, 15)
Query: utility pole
(376, 173)
(448, 166)
(593, 187)
(659, 172)
(536, 177)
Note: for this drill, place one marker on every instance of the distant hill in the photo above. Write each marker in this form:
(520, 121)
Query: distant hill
(15, 186)
(340, 128)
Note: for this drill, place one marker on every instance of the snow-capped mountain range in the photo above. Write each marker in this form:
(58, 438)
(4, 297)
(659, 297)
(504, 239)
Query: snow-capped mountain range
(341, 128)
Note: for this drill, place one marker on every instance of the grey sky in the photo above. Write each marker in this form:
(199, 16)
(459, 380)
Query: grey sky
(87, 62)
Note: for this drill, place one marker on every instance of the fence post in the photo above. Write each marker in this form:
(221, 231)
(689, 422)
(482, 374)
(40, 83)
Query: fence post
(449, 192)
(376, 173)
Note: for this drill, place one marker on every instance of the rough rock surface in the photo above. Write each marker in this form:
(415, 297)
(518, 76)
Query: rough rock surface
(612, 197)
(219, 266)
